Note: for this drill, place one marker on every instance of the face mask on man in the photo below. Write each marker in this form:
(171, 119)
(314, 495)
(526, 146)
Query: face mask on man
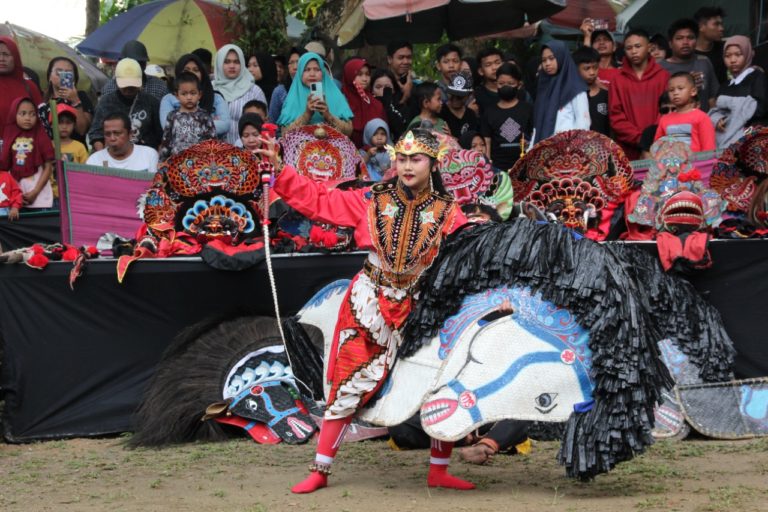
(507, 93)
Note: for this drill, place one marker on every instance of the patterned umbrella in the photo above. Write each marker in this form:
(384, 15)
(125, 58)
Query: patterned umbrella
(168, 28)
(37, 50)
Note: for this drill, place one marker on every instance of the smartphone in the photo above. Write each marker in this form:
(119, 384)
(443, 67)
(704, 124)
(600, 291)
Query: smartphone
(66, 79)
(600, 24)
(316, 90)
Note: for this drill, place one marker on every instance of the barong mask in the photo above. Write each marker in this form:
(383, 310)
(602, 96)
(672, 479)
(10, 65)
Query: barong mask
(742, 166)
(576, 177)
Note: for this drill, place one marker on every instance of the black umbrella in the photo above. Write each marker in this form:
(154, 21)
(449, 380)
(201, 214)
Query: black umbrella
(425, 21)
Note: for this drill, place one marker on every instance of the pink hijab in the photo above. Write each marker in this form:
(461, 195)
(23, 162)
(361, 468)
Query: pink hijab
(744, 44)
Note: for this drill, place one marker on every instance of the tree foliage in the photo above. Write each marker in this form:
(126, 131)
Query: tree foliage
(305, 10)
(108, 9)
(261, 25)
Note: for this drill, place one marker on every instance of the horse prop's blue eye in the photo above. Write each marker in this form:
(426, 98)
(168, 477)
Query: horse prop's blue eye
(545, 402)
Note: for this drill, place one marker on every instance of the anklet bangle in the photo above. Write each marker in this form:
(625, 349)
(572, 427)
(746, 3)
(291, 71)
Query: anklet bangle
(323, 469)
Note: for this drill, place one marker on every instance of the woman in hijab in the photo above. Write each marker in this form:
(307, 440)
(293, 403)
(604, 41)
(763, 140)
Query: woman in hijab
(210, 101)
(64, 92)
(264, 71)
(13, 85)
(302, 108)
(561, 97)
(356, 86)
(235, 83)
(742, 101)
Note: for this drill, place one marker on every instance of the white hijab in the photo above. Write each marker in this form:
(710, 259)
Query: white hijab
(231, 88)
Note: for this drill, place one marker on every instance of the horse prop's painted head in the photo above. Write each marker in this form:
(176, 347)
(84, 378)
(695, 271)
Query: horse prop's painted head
(529, 360)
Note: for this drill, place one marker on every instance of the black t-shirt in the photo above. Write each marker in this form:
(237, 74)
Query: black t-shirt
(485, 98)
(715, 56)
(459, 126)
(598, 112)
(504, 127)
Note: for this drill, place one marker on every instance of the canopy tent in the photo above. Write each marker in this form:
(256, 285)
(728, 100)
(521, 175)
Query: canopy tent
(377, 22)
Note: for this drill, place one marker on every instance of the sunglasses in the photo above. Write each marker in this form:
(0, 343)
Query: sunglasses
(667, 110)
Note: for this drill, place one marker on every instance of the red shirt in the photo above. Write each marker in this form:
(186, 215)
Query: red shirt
(10, 193)
(633, 103)
(694, 128)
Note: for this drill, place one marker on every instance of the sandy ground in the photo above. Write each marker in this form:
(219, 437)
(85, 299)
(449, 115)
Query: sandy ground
(101, 475)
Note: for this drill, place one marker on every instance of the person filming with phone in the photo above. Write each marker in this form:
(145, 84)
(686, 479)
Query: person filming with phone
(62, 87)
(314, 98)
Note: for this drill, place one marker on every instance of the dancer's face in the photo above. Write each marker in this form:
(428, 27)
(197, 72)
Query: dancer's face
(413, 171)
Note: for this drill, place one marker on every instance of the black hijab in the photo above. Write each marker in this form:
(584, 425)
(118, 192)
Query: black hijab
(268, 68)
(206, 100)
(554, 92)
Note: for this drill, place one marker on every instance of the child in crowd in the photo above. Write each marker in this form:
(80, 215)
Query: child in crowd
(474, 141)
(28, 154)
(587, 60)
(448, 64)
(249, 127)
(71, 150)
(10, 196)
(428, 99)
(257, 107)
(190, 124)
(374, 153)
(688, 122)
(646, 139)
(508, 123)
(459, 117)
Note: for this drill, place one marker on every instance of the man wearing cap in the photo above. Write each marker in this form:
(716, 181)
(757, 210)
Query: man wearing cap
(150, 85)
(120, 152)
(601, 40)
(460, 119)
(142, 109)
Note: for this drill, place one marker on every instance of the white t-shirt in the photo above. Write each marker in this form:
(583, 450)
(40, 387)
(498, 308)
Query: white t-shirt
(143, 158)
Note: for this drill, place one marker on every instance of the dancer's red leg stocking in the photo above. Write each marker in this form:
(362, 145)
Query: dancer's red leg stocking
(438, 476)
(331, 434)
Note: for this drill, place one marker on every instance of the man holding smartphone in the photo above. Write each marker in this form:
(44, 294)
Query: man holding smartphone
(598, 36)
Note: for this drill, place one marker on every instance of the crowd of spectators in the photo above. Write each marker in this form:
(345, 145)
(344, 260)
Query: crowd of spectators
(690, 83)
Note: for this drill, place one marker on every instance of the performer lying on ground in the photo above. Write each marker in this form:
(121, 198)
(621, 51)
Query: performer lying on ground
(402, 222)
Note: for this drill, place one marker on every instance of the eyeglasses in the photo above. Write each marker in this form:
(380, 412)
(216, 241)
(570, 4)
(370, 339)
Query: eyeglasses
(667, 110)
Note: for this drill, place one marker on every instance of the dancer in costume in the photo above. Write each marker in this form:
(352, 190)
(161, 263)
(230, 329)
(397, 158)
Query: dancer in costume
(402, 222)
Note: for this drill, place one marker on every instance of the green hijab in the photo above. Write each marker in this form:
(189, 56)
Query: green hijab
(296, 100)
